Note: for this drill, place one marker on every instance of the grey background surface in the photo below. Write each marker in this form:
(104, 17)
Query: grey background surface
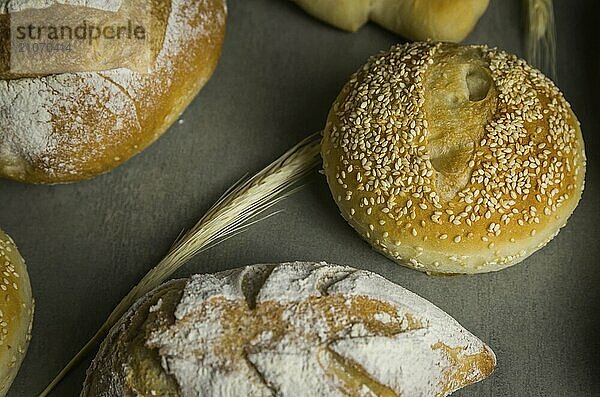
(87, 244)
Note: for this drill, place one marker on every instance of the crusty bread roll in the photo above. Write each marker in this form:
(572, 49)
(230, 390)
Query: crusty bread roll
(296, 329)
(453, 159)
(16, 312)
(72, 126)
(444, 20)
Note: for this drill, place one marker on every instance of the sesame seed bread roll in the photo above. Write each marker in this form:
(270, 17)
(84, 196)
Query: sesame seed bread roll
(288, 330)
(453, 159)
(445, 20)
(68, 127)
(16, 312)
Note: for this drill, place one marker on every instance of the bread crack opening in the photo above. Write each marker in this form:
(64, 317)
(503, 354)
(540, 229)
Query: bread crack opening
(460, 100)
(353, 378)
(479, 83)
(252, 283)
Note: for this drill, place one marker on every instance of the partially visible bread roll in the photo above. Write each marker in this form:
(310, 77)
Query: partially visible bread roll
(444, 20)
(453, 159)
(296, 329)
(68, 127)
(16, 312)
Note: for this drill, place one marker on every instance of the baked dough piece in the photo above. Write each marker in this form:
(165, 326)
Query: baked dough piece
(445, 20)
(16, 312)
(453, 159)
(296, 329)
(73, 126)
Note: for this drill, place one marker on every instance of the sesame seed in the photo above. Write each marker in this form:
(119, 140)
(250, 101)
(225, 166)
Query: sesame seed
(380, 135)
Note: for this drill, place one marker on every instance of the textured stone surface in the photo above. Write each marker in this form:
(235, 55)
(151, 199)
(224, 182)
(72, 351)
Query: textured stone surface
(87, 244)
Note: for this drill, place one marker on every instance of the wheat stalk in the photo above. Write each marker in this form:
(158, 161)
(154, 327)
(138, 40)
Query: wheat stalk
(540, 41)
(232, 214)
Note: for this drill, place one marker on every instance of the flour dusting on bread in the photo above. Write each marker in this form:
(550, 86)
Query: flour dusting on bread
(305, 329)
(74, 125)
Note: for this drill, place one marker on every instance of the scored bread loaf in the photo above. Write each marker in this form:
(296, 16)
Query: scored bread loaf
(16, 312)
(445, 20)
(68, 127)
(294, 329)
(453, 159)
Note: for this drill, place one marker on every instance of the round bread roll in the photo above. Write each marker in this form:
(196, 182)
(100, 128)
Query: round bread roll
(16, 312)
(444, 20)
(295, 329)
(453, 159)
(69, 127)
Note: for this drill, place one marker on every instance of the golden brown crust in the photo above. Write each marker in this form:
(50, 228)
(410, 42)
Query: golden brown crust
(445, 20)
(136, 366)
(348, 15)
(453, 159)
(93, 122)
(458, 375)
(16, 312)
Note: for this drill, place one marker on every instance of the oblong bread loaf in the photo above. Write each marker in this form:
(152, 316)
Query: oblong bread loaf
(294, 329)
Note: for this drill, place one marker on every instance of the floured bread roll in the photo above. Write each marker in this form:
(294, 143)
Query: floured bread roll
(444, 20)
(296, 329)
(453, 159)
(68, 127)
(16, 312)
